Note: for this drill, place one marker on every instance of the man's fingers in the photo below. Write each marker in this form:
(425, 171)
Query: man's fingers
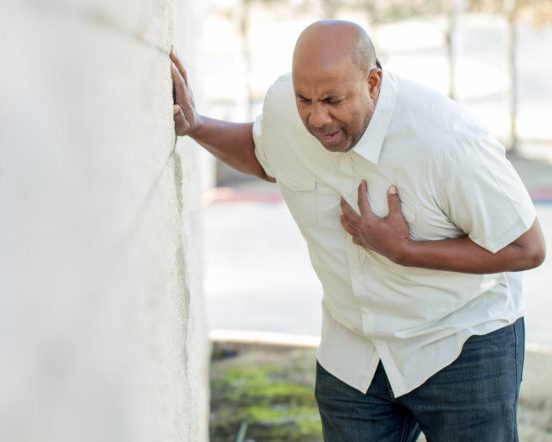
(181, 124)
(393, 201)
(347, 210)
(179, 85)
(345, 223)
(182, 95)
(363, 203)
(179, 66)
(349, 227)
(349, 218)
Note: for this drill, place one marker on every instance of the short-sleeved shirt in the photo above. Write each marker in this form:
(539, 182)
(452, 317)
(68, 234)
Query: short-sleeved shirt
(453, 180)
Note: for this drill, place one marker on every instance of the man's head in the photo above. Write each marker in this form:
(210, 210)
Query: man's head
(336, 82)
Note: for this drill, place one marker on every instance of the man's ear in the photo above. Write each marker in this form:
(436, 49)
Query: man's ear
(374, 82)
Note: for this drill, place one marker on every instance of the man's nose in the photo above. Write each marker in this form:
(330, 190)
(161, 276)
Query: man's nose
(319, 116)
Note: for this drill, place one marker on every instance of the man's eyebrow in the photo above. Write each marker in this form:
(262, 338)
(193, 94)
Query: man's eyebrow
(329, 96)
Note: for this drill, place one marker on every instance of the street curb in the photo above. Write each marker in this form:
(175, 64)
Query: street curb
(263, 338)
(229, 195)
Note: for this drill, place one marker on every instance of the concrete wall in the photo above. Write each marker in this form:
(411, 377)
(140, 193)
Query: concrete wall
(102, 332)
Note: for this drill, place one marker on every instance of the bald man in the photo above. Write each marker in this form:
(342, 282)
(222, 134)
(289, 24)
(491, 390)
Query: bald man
(415, 223)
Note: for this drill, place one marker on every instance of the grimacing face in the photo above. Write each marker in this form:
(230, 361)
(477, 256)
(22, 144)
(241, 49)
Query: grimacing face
(336, 104)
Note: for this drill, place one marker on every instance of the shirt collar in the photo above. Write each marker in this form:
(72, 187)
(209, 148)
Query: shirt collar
(369, 145)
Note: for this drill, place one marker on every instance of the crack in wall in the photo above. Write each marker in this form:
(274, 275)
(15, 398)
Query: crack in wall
(120, 250)
(183, 284)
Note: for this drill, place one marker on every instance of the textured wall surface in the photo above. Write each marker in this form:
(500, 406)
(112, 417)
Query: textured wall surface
(102, 332)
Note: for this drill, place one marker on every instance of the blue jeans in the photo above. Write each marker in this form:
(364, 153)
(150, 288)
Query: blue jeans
(474, 399)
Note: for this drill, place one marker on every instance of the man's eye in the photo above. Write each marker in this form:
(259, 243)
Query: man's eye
(332, 100)
(303, 100)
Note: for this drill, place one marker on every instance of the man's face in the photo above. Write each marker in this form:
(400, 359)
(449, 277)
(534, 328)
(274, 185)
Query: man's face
(336, 103)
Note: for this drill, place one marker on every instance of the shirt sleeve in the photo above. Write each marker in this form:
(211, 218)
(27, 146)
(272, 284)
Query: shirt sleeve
(260, 152)
(485, 197)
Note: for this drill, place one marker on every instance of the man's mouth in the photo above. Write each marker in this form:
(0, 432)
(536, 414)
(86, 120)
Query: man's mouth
(329, 137)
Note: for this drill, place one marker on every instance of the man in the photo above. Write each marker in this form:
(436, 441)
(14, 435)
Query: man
(422, 321)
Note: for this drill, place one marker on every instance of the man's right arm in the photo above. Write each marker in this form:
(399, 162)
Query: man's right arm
(232, 143)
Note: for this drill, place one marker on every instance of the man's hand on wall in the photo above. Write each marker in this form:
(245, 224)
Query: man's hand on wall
(388, 235)
(186, 118)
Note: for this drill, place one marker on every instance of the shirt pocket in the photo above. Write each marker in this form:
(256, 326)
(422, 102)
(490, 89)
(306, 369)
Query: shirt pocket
(299, 191)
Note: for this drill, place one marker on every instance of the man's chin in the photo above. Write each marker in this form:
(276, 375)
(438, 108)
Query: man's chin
(343, 146)
(335, 148)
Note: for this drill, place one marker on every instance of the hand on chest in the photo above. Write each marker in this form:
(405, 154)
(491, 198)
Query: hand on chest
(313, 198)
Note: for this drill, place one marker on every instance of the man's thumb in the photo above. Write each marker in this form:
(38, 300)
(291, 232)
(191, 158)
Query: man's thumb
(393, 200)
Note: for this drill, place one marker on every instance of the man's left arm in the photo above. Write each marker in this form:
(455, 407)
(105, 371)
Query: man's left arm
(389, 237)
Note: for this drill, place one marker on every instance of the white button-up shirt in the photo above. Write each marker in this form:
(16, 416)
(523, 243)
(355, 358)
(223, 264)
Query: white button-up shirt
(453, 179)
